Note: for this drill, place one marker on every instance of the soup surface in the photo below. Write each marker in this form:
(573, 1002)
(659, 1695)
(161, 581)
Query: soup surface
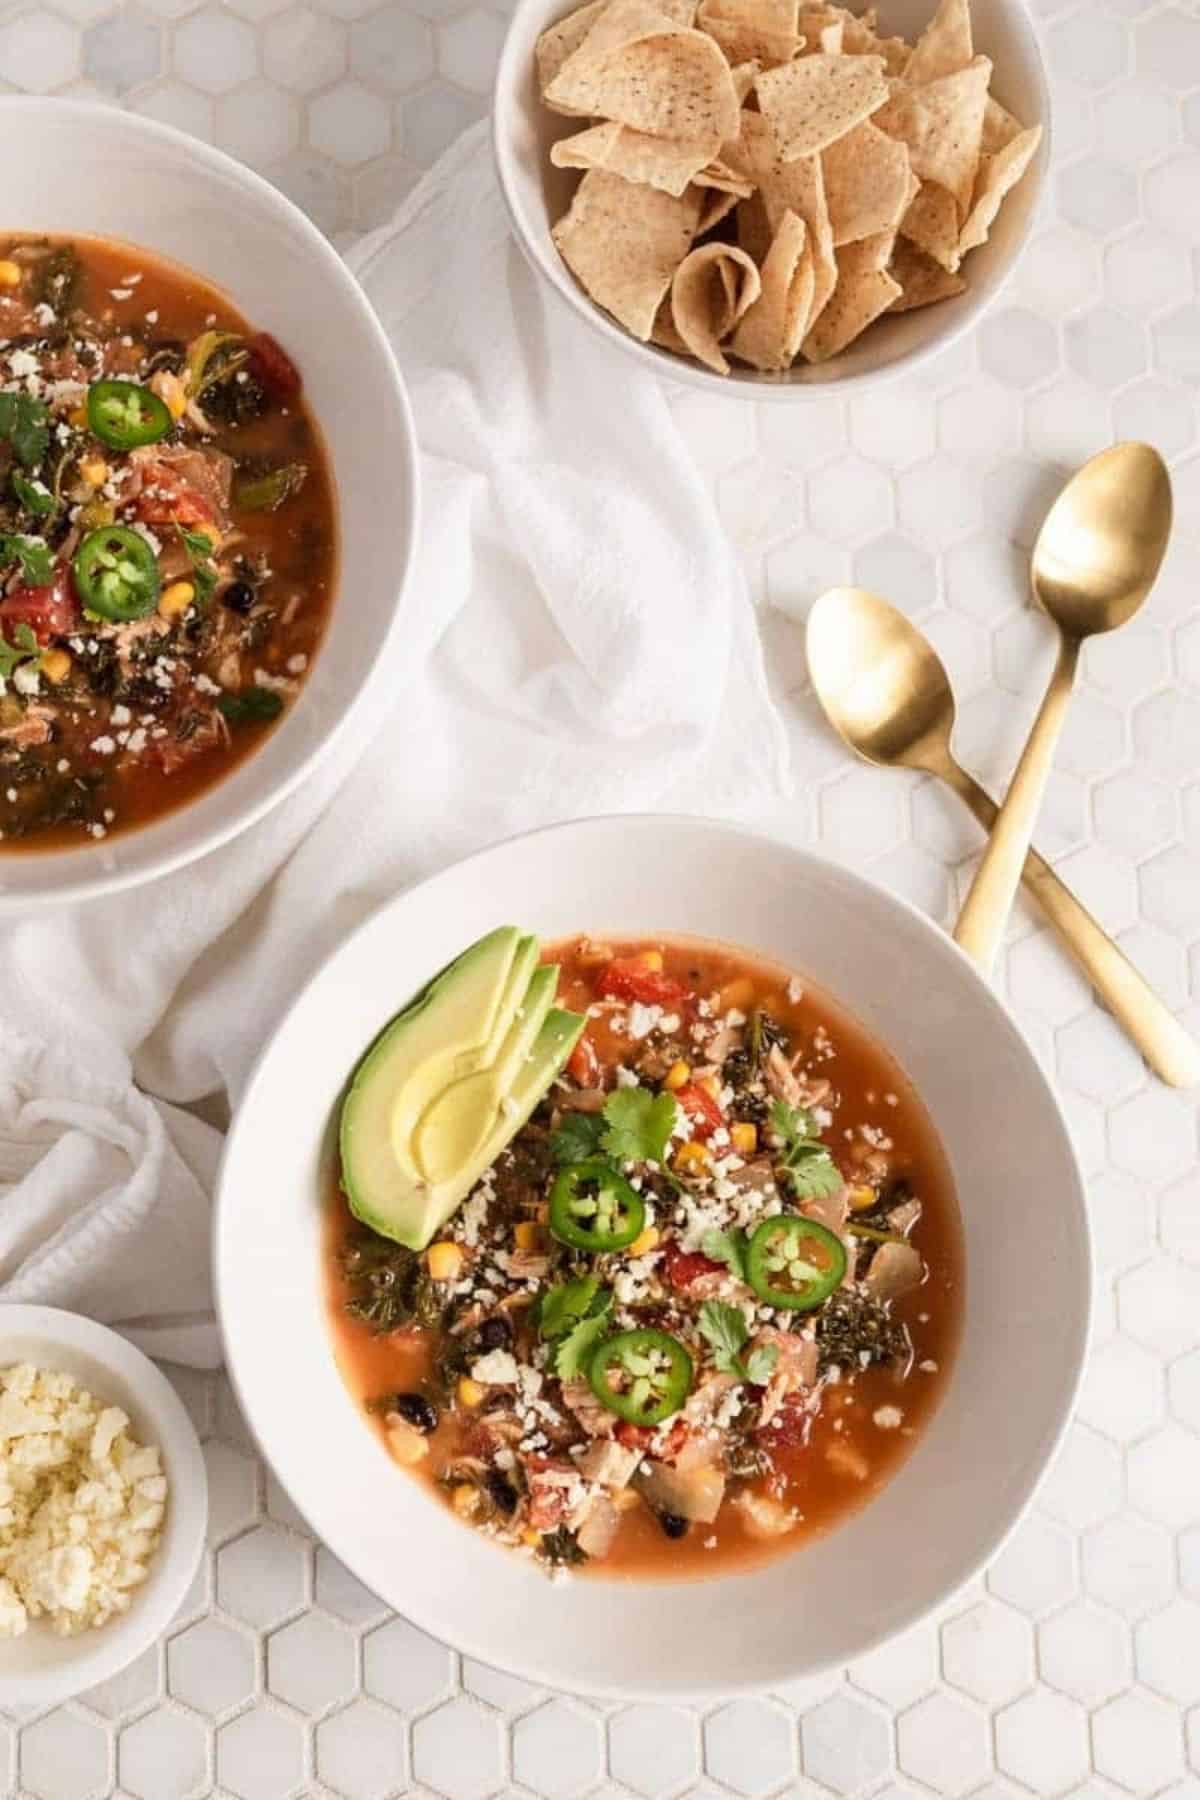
(167, 538)
(797, 1240)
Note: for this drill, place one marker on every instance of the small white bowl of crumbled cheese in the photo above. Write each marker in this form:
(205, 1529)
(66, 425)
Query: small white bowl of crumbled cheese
(103, 1504)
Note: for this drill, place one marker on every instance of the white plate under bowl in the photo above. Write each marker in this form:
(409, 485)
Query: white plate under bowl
(975, 1468)
(80, 169)
(537, 194)
(39, 1668)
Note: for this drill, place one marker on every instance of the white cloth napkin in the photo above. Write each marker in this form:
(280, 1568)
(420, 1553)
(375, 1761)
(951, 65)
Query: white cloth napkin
(579, 639)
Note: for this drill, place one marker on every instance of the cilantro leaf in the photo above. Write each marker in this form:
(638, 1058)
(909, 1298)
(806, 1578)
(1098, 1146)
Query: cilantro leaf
(563, 1305)
(33, 554)
(25, 644)
(575, 1350)
(34, 496)
(804, 1160)
(25, 422)
(577, 1137)
(760, 1364)
(728, 1247)
(726, 1330)
(199, 547)
(639, 1125)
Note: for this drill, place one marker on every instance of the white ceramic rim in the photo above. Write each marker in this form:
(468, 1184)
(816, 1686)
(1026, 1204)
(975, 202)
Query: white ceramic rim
(362, 704)
(750, 384)
(165, 1422)
(524, 1662)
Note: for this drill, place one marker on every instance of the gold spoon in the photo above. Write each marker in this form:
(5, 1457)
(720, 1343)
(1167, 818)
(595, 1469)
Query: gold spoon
(887, 695)
(1095, 560)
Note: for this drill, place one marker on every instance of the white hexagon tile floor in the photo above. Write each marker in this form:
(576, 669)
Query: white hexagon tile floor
(1073, 1668)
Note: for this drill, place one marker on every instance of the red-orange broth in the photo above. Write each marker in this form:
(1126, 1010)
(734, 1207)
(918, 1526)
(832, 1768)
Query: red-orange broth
(839, 1445)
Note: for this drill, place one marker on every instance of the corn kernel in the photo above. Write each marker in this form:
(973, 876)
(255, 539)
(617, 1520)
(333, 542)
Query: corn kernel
(711, 1086)
(531, 1538)
(470, 1393)
(645, 1240)
(464, 1498)
(862, 1198)
(94, 471)
(744, 1138)
(692, 1158)
(176, 599)
(404, 1441)
(10, 274)
(678, 1075)
(445, 1261)
(78, 417)
(652, 960)
(528, 1235)
(55, 665)
(170, 391)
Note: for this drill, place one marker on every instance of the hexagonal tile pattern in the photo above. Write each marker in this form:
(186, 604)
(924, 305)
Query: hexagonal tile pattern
(1071, 1668)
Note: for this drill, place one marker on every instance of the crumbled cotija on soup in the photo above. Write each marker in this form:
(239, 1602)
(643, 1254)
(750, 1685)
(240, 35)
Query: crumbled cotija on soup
(701, 1306)
(167, 538)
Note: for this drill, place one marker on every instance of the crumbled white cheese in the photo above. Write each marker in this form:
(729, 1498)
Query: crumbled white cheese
(497, 1369)
(643, 1019)
(81, 1504)
(888, 1418)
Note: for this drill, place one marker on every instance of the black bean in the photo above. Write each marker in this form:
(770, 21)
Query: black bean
(496, 1333)
(502, 1491)
(417, 1410)
(238, 597)
(673, 1525)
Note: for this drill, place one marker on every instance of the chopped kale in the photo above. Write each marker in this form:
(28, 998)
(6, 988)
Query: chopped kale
(561, 1549)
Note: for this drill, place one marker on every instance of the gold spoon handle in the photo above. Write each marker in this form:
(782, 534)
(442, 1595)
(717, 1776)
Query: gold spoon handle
(981, 923)
(1171, 1052)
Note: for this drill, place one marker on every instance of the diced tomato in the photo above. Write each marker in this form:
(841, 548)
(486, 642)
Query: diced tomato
(682, 1267)
(583, 1065)
(640, 1437)
(51, 611)
(272, 367)
(790, 1427)
(704, 1114)
(165, 500)
(625, 978)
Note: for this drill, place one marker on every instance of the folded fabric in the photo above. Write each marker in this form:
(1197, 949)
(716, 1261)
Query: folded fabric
(579, 639)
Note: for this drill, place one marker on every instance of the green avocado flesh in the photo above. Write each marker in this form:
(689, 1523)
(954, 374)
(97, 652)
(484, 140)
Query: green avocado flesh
(449, 1083)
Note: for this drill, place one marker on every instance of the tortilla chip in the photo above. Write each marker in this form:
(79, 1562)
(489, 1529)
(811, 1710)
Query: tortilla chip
(664, 332)
(715, 207)
(942, 124)
(999, 127)
(931, 222)
(638, 67)
(870, 254)
(797, 187)
(771, 332)
(717, 175)
(822, 28)
(997, 174)
(863, 291)
(623, 243)
(922, 281)
(744, 75)
(761, 31)
(866, 176)
(562, 39)
(859, 38)
(712, 288)
(818, 98)
(944, 46)
(666, 163)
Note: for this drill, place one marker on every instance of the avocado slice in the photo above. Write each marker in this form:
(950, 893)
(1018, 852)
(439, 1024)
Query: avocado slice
(448, 1083)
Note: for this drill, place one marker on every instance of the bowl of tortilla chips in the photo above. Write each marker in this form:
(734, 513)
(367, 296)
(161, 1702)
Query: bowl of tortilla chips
(776, 195)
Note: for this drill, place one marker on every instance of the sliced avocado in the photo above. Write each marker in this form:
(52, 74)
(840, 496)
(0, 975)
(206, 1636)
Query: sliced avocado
(448, 1084)
(462, 1118)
